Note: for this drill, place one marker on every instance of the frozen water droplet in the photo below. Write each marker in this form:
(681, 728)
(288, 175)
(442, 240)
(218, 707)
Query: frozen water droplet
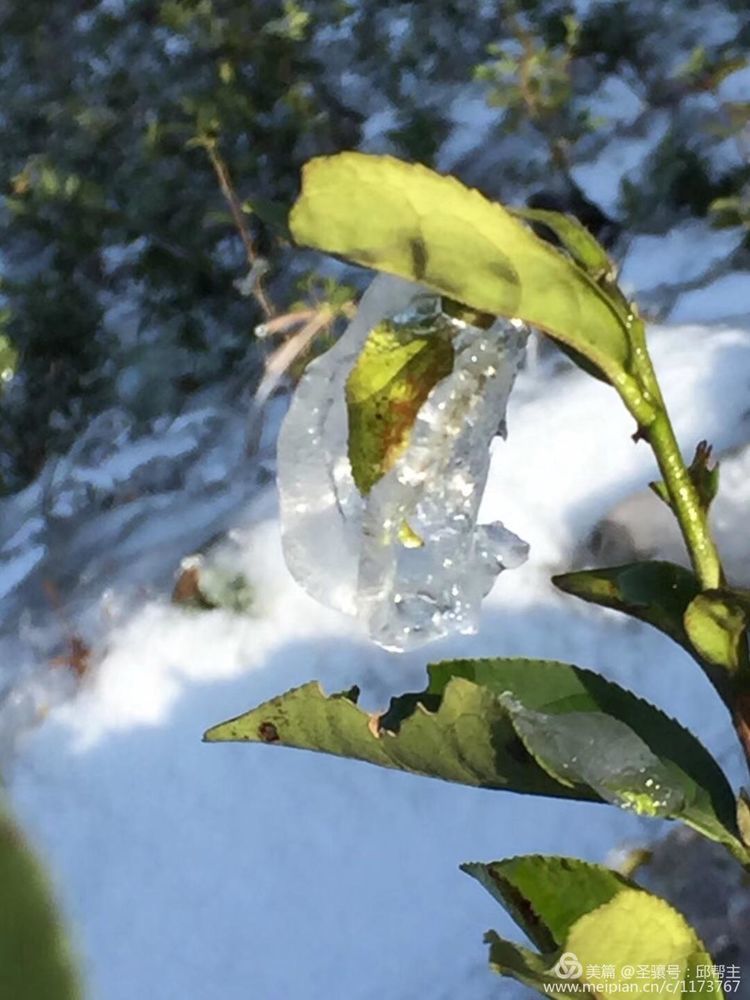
(408, 559)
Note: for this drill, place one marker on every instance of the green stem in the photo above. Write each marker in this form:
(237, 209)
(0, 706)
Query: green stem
(643, 398)
(655, 426)
(685, 502)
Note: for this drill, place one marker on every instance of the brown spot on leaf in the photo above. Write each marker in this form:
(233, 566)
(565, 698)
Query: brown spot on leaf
(268, 733)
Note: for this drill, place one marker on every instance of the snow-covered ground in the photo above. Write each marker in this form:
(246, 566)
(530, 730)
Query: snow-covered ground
(196, 872)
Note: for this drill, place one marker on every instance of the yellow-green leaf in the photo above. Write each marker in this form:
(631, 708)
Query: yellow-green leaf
(634, 928)
(392, 377)
(410, 221)
(585, 250)
(593, 928)
(716, 624)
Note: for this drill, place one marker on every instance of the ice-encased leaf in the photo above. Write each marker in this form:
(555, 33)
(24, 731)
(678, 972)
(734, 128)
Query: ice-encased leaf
(559, 707)
(406, 556)
(399, 365)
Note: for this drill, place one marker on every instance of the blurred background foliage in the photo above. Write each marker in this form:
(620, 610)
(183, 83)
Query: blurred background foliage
(123, 273)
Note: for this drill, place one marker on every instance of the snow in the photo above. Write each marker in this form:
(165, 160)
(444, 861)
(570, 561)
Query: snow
(16, 568)
(615, 102)
(472, 119)
(601, 179)
(726, 298)
(680, 256)
(704, 373)
(736, 86)
(190, 870)
(376, 129)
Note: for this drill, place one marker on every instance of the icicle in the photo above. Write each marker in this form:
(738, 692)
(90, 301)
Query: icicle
(408, 558)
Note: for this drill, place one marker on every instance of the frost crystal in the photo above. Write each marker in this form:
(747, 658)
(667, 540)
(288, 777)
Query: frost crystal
(408, 559)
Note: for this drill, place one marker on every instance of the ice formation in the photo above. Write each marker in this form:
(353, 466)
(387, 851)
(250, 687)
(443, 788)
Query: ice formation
(408, 559)
(597, 750)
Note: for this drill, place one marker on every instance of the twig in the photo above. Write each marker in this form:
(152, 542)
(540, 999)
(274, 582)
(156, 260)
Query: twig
(285, 323)
(290, 350)
(235, 207)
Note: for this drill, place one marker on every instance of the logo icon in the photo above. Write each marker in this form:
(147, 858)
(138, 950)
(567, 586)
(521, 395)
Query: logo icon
(567, 966)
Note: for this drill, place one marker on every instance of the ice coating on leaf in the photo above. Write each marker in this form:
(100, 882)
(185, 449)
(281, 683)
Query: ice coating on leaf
(408, 559)
(597, 750)
(414, 594)
(321, 508)
(403, 358)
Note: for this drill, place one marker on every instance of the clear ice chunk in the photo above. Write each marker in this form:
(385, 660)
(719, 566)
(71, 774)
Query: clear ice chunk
(408, 559)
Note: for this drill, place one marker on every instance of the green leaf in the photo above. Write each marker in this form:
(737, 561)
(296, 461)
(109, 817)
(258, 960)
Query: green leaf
(547, 688)
(585, 919)
(538, 727)
(716, 624)
(582, 246)
(35, 960)
(407, 220)
(597, 750)
(398, 367)
(465, 736)
(710, 626)
(657, 593)
(546, 895)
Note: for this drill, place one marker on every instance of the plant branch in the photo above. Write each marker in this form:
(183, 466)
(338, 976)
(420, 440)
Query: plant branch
(285, 355)
(685, 502)
(254, 261)
(658, 431)
(692, 515)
